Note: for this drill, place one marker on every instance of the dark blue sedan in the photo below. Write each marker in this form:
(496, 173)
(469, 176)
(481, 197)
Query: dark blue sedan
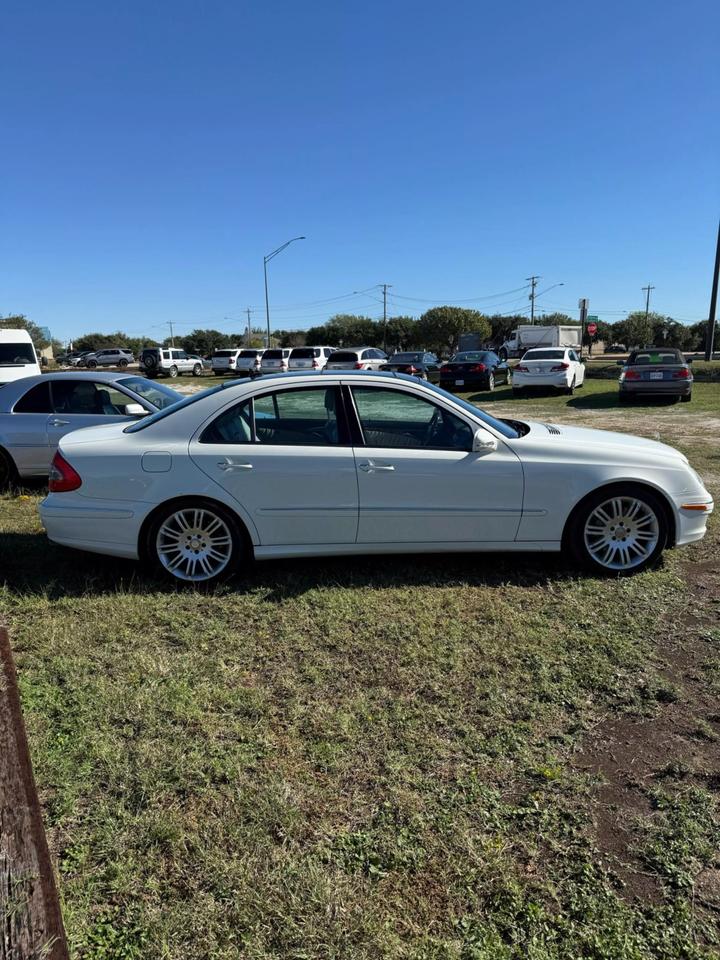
(474, 370)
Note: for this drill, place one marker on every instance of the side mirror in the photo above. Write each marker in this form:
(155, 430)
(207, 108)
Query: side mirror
(483, 441)
(135, 410)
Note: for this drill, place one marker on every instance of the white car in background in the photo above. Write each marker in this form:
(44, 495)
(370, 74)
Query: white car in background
(555, 368)
(309, 358)
(18, 358)
(325, 464)
(357, 358)
(275, 360)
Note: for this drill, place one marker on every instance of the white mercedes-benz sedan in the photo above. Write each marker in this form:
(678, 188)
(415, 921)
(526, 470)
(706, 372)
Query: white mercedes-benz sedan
(342, 462)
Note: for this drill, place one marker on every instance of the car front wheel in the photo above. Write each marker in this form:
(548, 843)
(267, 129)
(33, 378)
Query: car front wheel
(619, 531)
(197, 370)
(173, 371)
(195, 542)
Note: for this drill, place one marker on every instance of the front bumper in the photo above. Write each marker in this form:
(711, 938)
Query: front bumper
(691, 517)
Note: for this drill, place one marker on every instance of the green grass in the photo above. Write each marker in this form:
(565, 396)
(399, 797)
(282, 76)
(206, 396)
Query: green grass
(354, 758)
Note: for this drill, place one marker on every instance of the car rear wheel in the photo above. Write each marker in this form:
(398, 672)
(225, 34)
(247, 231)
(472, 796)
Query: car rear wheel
(122, 364)
(518, 392)
(195, 543)
(686, 398)
(197, 370)
(626, 398)
(571, 389)
(491, 383)
(91, 364)
(173, 371)
(619, 532)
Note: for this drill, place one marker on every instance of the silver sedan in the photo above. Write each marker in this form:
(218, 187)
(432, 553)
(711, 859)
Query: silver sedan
(36, 412)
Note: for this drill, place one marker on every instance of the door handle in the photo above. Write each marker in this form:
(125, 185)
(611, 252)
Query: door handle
(369, 466)
(57, 422)
(228, 464)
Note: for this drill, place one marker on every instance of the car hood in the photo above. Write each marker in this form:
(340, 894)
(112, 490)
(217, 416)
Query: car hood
(596, 444)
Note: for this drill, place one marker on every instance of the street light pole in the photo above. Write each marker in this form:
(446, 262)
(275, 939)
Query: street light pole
(266, 260)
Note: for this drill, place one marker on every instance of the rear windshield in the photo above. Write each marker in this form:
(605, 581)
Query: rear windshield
(16, 354)
(544, 355)
(656, 356)
(304, 353)
(344, 355)
(273, 355)
(406, 357)
(469, 355)
(225, 353)
(246, 354)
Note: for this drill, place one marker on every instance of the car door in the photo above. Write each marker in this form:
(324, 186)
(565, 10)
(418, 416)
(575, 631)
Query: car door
(24, 431)
(84, 403)
(286, 457)
(418, 480)
(578, 366)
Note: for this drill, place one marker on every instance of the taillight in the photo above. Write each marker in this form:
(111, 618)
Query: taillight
(359, 366)
(683, 374)
(521, 369)
(560, 366)
(316, 365)
(631, 375)
(478, 368)
(412, 369)
(63, 478)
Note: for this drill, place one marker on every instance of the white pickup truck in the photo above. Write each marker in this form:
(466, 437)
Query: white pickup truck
(528, 336)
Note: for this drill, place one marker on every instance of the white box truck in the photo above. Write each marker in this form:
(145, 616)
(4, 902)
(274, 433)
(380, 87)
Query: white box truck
(17, 356)
(530, 335)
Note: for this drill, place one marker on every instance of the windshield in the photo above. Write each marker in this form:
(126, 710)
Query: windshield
(406, 358)
(225, 353)
(246, 354)
(659, 356)
(343, 355)
(16, 354)
(469, 355)
(544, 355)
(159, 395)
(304, 353)
(275, 354)
(505, 429)
(184, 402)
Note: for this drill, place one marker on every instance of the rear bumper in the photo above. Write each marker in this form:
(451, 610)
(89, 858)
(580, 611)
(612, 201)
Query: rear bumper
(107, 527)
(555, 381)
(658, 388)
(471, 383)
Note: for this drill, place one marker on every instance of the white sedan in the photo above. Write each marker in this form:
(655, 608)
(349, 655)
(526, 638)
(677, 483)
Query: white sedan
(334, 463)
(555, 368)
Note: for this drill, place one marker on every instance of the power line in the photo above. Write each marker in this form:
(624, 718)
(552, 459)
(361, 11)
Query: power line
(648, 288)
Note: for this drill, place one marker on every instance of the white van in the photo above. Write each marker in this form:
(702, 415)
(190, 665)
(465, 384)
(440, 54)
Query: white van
(18, 358)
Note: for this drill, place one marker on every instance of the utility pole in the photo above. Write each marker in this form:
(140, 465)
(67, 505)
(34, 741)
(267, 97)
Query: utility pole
(647, 290)
(531, 298)
(710, 332)
(172, 337)
(248, 335)
(385, 290)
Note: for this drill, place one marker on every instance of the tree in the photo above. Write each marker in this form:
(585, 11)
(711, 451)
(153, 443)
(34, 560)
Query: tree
(401, 333)
(205, 342)
(439, 329)
(637, 329)
(503, 325)
(346, 329)
(556, 319)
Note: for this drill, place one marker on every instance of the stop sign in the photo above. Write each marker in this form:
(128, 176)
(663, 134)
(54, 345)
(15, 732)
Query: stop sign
(592, 328)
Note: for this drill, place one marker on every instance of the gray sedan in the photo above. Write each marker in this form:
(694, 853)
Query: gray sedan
(655, 372)
(36, 412)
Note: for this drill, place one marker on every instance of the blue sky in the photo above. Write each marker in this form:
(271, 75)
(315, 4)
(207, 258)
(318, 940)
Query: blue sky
(152, 153)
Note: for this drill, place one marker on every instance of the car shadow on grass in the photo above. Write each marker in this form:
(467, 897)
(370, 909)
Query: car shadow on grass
(32, 566)
(610, 399)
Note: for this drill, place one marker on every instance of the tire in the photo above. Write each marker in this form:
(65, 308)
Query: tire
(686, 398)
(571, 389)
(196, 370)
(191, 563)
(618, 531)
(518, 392)
(91, 364)
(173, 371)
(151, 375)
(8, 471)
(625, 398)
(122, 364)
(491, 383)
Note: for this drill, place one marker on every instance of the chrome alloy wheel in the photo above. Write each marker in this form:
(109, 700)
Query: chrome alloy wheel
(621, 533)
(194, 544)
